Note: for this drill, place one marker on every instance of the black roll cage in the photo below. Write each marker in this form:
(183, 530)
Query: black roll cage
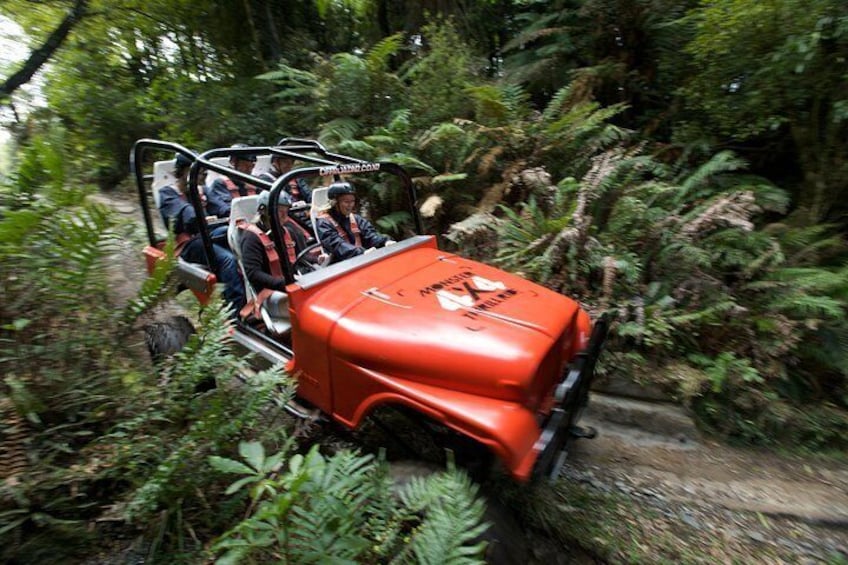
(327, 164)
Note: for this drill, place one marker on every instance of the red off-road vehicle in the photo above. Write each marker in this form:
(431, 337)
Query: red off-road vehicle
(484, 353)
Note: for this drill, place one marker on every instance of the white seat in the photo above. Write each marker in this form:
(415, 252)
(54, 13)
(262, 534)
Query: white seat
(320, 197)
(163, 175)
(212, 176)
(274, 310)
(263, 165)
(241, 208)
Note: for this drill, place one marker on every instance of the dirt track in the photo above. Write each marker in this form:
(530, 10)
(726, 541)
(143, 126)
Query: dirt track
(737, 505)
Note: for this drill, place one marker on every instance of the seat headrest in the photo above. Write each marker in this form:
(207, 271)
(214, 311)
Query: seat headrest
(163, 175)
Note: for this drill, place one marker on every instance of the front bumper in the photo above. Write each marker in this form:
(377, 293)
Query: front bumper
(571, 396)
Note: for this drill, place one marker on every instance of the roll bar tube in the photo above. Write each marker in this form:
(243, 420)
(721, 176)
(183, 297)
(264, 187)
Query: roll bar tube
(283, 180)
(136, 166)
(328, 165)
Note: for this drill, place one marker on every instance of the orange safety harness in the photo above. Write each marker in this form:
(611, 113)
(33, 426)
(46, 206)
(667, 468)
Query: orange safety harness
(307, 235)
(250, 190)
(252, 307)
(270, 248)
(354, 228)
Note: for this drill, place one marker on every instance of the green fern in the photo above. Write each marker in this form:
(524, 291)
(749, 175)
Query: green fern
(378, 57)
(695, 184)
(341, 510)
(155, 289)
(498, 105)
(449, 504)
(338, 130)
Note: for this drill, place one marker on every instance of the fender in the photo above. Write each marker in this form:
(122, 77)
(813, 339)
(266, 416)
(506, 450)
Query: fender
(508, 429)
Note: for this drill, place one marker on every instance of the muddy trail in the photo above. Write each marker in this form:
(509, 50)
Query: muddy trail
(666, 494)
(649, 488)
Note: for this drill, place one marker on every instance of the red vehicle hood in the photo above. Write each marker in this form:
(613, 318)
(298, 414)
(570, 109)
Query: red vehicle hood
(442, 320)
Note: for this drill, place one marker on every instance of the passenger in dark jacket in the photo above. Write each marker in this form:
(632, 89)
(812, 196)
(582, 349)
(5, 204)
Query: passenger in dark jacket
(181, 218)
(254, 256)
(297, 189)
(344, 234)
(220, 195)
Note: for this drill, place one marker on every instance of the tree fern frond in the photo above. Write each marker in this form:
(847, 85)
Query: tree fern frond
(682, 254)
(453, 518)
(440, 134)
(327, 519)
(495, 104)
(810, 306)
(409, 162)
(16, 226)
(400, 121)
(362, 149)
(534, 26)
(810, 279)
(530, 68)
(694, 185)
(768, 196)
(378, 56)
(338, 130)
(382, 142)
(712, 314)
(76, 242)
(291, 79)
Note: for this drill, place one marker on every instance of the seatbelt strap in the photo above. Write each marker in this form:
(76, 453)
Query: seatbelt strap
(354, 228)
(270, 249)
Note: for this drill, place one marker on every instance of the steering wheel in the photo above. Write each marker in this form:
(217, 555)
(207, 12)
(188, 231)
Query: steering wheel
(301, 263)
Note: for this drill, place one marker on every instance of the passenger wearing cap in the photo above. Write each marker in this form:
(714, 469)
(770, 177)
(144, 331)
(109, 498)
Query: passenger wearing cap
(260, 260)
(181, 218)
(297, 189)
(344, 234)
(224, 189)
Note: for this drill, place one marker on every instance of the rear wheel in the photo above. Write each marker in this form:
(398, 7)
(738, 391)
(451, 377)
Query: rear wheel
(168, 337)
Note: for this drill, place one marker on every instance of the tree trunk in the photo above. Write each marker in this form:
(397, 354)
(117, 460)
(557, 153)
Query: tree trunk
(383, 18)
(254, 34)
(274, 44)
(40, 56)
(822, 155)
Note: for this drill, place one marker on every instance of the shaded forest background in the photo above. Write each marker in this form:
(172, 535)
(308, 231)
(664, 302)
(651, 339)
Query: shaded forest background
(681, 164)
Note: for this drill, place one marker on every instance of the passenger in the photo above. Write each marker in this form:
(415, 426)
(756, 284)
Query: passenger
(297, 189)
(182, 220)
(224, 189)
(344, 234)
(258, 255)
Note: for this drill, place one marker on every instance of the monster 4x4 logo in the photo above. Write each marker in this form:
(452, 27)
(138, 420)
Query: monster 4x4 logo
(476, 289)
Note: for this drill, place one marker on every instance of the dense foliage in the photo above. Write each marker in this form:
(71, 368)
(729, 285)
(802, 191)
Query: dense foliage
(681, 164)
(98, 445)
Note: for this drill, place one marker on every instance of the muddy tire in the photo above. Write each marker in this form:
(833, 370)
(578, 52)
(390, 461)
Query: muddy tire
(507, 543)
(166, 338)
